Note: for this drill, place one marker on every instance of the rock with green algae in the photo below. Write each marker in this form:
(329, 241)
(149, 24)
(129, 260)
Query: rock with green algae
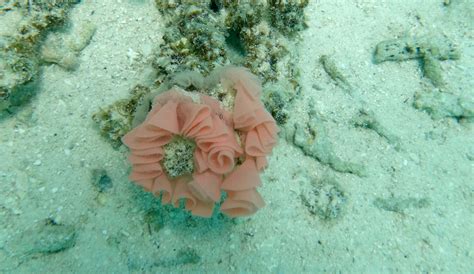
(406, 48)
(288, 15)
(24, 26)
(430, 49)
(194, 39)
(203, 35)
(115, 120)
(264, 32)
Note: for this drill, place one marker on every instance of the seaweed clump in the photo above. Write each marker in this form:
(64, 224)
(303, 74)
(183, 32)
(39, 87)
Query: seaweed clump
(25, 25)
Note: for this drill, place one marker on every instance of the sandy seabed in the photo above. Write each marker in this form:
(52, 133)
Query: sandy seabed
(49, 149)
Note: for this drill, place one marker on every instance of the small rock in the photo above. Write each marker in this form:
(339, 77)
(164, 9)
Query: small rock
(44, 238)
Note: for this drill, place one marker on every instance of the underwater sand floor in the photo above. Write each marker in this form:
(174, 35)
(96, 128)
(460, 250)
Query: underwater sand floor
(413, 212)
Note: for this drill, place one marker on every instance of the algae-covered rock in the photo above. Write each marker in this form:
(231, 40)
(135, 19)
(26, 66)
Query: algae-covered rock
(429, 49)
(116, 120)
(406, 48)
(24, 25)
(194, 39)
(288, 15)
(256, 34)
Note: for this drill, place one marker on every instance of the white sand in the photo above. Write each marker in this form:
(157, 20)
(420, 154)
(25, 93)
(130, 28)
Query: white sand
(48, 150)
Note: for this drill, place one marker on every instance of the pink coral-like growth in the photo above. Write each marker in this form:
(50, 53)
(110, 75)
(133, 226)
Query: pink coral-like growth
(231, 147)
